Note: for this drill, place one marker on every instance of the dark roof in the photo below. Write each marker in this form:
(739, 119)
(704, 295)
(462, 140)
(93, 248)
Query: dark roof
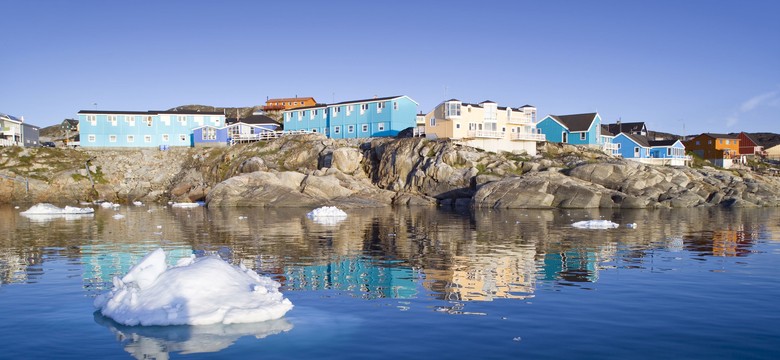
(14, 118)
(254, 119)
(721, 136)
(315, 106)
(626, 126)
(639, 139)
(366, 100)
(526, 105)
(576, 122)
(662, 142)
(150, 112)
(71, 121)
(605, 131)
(488, 101)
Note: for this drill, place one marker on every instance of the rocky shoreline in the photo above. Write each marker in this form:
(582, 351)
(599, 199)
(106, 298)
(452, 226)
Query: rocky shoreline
(310, 171)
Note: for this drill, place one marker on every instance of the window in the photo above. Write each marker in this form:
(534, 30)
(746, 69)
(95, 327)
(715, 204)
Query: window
(300, 115)
(336, 111)
(395, 105)
(636, 151)
(379, 107)
(351, 129)
(668, 151)
(198, 120)
(149, 121)
(709, 142)
(209, 133)
(147, 138)
(92, 119)
(313, 113)
(582, 136)
(314, 130)
(618, 146)
(452, 109)
(182, 137)
(380, 126)
(112, 138)
(130, 120)
(130, 138)
(433, 121)
(216, 121)
(337, 129)
(363, 108)
(364, 128)
(350, 108)
(182, 120)
(91, 138)
(165, 137)
(166, 120)
(457, 126)
(698, 142)
(288, 117)
(112, 119)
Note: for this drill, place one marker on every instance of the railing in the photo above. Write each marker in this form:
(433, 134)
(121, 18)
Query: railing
(610, 148)
(524, 120)
(527, 136)
(265, 135)
(7, 142)
(485, 134)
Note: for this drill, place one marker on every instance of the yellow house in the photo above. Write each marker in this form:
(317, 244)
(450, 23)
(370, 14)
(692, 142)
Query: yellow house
(485, 126)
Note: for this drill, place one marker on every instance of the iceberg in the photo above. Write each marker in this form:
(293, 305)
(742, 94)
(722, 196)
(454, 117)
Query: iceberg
(185, 205)
(49, 209)
(595, 224)
(327, 215)
(196, 291)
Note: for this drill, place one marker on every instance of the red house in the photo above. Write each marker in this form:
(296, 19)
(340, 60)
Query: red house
(748, 146)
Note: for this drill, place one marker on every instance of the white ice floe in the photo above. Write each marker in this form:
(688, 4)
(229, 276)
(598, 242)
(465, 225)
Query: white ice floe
(631, 225)
(138, 203)
(327, 215)
(185, 205)
(46, 212)
(108, 204)
(118, 216)
(197, 291)
(595, 224)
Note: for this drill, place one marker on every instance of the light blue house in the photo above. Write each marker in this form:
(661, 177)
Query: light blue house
(355, 119)
(210, 135)
(139, 129)
(577, 129)
(657, 152)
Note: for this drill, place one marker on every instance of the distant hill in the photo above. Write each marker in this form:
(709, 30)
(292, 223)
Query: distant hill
(230, 112)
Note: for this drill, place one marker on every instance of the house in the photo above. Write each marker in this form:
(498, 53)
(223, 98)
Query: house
(375, 117)
(636, 128)
(773, 152)
(577, 129)
(607, 139)
(134, 129)
(485, 125)
(30, 134)
(252, 119)
(655, 152)
(719, 149)
(749, 146)
(282, 104)
(10, 130)
(70, 126)
(210, 135)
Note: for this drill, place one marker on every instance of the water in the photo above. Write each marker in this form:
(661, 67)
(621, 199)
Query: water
(419, 283)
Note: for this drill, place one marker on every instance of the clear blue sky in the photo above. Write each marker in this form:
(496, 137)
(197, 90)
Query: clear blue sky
(706, 65)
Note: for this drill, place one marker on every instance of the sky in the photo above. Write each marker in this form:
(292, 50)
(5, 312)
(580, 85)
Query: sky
(682, 67)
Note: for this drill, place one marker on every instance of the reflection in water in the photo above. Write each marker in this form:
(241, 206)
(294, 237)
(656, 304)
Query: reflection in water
(157, 342)
(385, 253)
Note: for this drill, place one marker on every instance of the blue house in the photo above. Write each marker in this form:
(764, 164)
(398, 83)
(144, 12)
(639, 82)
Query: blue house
(657, 152)
(577, 129)
(210, 135)
(355, 119)
(139, 129)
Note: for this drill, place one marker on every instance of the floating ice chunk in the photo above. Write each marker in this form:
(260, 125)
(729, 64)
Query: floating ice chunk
(631, 225)
(49, 209)
(16, 207)
(327, 215)
(118, 216)
(595, 224)
(138, 203)
(185, 205)
(108, 204)
(197, 291)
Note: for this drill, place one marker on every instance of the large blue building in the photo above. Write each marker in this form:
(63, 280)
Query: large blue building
(134, 129)
(658, 152)
(355, 119)
(577, 129)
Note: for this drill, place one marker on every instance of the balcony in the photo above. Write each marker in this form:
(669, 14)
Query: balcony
(521, 120)
(610, 148)
(485, 134)
(527, 136)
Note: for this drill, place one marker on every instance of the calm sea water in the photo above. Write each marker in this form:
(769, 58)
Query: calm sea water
(412, 284)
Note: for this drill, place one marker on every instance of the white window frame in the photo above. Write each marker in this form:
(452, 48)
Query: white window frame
(380, 106)
(112, 119)
(183, 137)
(395, 105)
(314, 130)
(91, 138)
(363, 108)
(147, 138)
(433, 121)
(165, 138)
(350, 129)
(130, 120)
(182, 120)
(312, 113)
(336, 111)
(452, 109)
(583, 136)
(130, 138)
(337, 129)
(637, 153)
(380, 126)
(300, 115)
(92, 119)
(208, 133)
(112, 138)
(149, 121)
(217, 120)
(350, 108)
(364, 128)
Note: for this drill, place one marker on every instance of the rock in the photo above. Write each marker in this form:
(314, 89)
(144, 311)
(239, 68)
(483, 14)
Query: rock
(252, 164)
(346, 160)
